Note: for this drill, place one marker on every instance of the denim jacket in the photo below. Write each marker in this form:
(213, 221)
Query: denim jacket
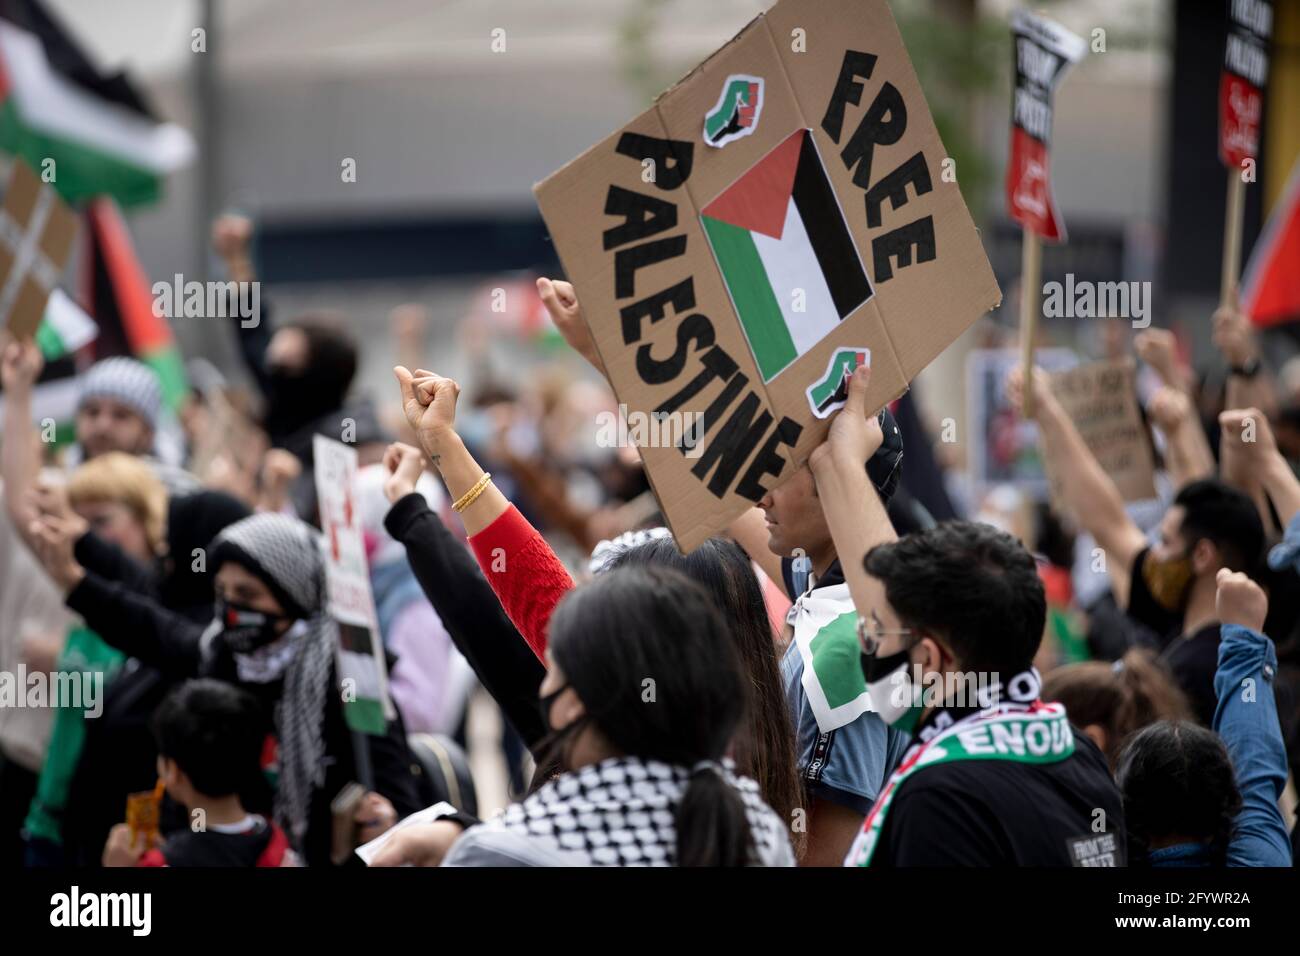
(1246, 719)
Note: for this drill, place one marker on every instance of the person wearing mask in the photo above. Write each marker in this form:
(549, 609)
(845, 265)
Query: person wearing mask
(643, 694)
(844, 758)
(1198, 797)
(304, 369)
(950, 620)
(530, 580)
(1168, 586)
(272, 635)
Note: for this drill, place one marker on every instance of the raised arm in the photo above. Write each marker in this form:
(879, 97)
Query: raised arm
(1247, 436)
(19, 461)
(1250, 384)
(854, 512)
(1188, 456)
(1246, 719)
(1087, 490)
(524, 572)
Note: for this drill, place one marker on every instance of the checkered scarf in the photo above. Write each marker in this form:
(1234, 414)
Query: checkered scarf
(127, 381)
(285, 553)
(620, 812)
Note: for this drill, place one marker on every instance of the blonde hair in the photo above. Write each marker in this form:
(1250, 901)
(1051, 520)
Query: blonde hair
(118, 478)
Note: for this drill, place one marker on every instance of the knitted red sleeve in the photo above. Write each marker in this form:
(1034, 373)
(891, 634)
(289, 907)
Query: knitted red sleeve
(528, 578)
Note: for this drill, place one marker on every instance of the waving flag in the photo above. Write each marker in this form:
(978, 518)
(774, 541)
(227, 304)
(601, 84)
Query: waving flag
(1270, 289)
(785, 253)
(55, 105)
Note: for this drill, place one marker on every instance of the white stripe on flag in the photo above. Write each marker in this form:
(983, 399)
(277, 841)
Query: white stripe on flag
(362, 669)
(73, 326)
(55, 106)
(791, 264)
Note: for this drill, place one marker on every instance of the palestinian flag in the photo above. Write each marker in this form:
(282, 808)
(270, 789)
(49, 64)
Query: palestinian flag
(54, 104)
(118, 296)
(826, 633)
(1270, 289)
(64, 328)
(785, 253)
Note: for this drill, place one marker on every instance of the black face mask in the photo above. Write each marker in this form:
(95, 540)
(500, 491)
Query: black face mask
(556, 739)
(875, 669)
(244, 630)
(296, 399)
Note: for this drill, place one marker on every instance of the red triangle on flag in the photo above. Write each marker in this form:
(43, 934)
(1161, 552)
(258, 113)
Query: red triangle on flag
(1270, 292)
(758, 200)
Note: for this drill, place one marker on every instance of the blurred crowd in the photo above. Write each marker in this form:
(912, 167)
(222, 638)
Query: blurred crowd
(659, 708)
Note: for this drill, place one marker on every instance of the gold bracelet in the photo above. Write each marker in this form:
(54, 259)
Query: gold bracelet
(469, 497)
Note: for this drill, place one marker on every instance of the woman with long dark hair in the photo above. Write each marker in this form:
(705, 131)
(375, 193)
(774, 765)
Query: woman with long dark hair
(764, 744)
(643, 695)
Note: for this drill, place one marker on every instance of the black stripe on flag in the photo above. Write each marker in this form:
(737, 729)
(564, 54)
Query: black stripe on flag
(828, 232)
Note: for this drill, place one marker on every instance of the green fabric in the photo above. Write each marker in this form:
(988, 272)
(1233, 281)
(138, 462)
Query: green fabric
(85, 651)
(80, 172)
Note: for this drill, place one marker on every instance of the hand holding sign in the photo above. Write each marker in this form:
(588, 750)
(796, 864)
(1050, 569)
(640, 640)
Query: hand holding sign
(1233, 335)
(854, 435)
(1042, 398)
(562, 303)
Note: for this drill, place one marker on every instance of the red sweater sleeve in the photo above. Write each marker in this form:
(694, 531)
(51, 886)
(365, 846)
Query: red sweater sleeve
(528, 578)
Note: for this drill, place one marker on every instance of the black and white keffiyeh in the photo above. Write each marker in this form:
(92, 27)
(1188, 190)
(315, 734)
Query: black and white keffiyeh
(620, 812)
(285, 553)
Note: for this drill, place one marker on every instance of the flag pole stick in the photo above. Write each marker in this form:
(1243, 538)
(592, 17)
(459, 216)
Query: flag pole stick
(1232, 224)
(1030, 286)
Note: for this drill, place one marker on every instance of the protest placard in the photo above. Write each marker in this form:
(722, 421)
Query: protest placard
(363, 673)
(781, 215)
(1003, 445)
(1101, 400)
(36, 232)
(1241, 108)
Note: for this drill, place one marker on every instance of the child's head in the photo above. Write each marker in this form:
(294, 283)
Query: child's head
(209, 735)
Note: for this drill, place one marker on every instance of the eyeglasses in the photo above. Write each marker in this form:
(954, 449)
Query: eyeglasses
(870, 637)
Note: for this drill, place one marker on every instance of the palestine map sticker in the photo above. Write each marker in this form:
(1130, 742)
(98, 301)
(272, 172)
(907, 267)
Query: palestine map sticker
(831, 391)
(737, 112)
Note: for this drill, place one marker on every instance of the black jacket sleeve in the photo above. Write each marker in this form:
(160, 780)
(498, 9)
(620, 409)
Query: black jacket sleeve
(138, 625)
(110, 562)
(254, 338)
(471, 613)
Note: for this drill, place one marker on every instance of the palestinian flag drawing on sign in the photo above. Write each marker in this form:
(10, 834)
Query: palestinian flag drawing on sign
(785, 253)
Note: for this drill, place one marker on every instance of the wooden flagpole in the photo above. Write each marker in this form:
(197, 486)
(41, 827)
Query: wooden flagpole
(1030, 289)
(1232, 225)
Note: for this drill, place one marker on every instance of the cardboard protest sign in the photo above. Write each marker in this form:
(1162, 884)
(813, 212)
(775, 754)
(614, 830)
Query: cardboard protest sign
(1003, 445)
(1101, 400)
(1043, 52)
(772, 221)
(361, 666)
(1242, 80)
(36, 232)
